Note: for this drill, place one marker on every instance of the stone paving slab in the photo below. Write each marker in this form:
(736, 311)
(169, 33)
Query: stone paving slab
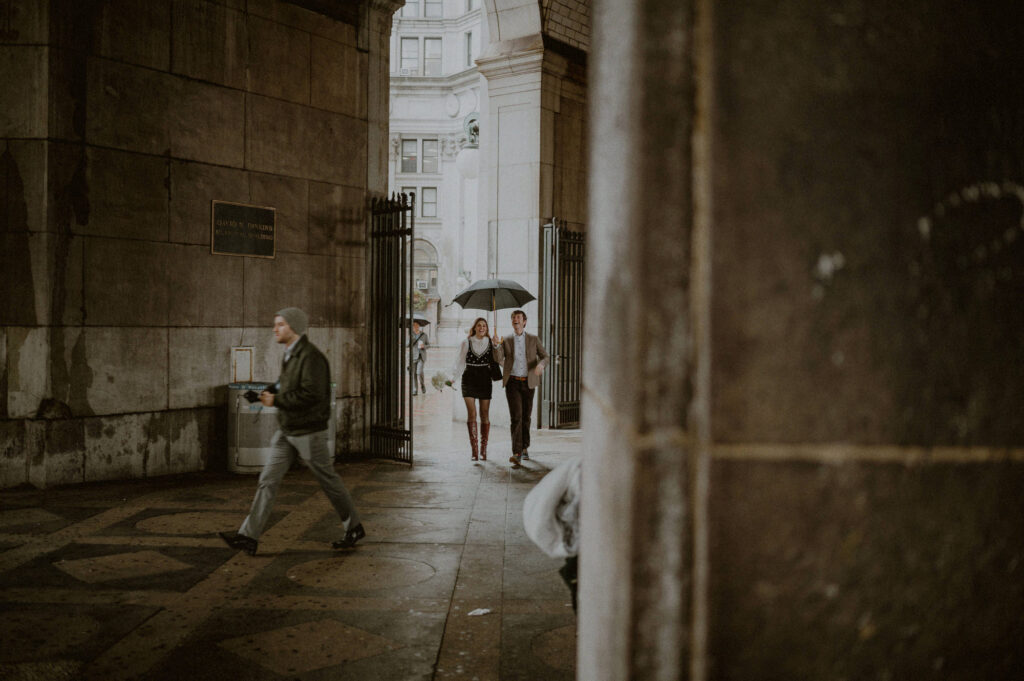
(128, 580)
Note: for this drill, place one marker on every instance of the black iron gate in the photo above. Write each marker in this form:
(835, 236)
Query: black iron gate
(391, 263)
(561, 322)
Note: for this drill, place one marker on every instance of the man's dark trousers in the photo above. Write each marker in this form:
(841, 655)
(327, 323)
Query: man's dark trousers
(520, 410)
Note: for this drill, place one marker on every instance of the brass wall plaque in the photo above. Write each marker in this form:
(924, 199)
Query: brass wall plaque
(240, 229)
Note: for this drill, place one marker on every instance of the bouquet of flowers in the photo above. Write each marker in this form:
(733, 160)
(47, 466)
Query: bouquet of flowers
(440, 380)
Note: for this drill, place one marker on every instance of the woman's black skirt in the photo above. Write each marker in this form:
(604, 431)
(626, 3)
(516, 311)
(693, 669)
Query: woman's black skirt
(476, 382)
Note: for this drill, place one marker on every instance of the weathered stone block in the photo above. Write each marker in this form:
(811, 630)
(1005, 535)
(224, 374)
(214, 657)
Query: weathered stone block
(126, 282)
(288, 280)
(68, 86)
(18, 303)
(13, 454)
(193, 440)
(346, 351)
(134, 32)
(337, 219)
(203, 289)
(27, 369)
(44, 272)
(290, 199)
(57, 450)
(29, 22)
(3, 371)
(210, 42)
(351, 427)
(338, 78)
(127, 107)
(267, 353)
(290, 139)
(127, 195)
(342, 356)
(23, 186)
(311, 22)
(329, 289)
(205, 123)
(859, 571)
(117, 447)
(346, 299)
(70, 373)
(129, 369)
(23, 106)
(278, 60)
(193, 187)
(67, 187)
(200, 366)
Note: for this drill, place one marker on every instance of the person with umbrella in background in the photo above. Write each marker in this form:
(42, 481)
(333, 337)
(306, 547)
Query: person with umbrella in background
(524, 360)
(473, 364)
(418, 341)
(522, 354)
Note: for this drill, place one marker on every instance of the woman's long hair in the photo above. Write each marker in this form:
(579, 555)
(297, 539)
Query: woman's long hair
(472, 329)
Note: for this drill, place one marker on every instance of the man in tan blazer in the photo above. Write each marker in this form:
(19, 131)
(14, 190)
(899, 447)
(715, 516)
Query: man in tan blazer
(523, 359)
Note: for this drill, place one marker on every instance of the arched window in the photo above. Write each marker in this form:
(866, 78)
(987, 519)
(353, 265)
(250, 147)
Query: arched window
(425, 272)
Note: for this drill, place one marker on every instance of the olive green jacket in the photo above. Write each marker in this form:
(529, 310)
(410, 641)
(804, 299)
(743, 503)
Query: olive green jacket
(303, 398)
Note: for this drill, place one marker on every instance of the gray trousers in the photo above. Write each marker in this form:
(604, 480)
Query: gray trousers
(312, 449)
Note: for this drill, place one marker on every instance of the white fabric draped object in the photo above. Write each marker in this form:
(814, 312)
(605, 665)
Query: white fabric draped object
(551, 511)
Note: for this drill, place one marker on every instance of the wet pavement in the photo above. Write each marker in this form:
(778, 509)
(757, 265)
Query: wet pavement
(129, 580)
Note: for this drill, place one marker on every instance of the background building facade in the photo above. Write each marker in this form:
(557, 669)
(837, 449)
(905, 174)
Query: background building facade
(436, 90)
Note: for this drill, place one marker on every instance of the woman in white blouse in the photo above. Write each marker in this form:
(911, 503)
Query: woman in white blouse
(472, 364)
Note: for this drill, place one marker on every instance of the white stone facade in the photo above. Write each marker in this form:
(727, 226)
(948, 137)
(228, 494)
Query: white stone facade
(435, 85)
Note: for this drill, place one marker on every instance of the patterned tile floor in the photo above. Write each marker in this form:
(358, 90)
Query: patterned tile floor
(129, 581)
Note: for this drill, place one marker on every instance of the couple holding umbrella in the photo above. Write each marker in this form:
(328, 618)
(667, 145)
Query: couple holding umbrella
(517, 361)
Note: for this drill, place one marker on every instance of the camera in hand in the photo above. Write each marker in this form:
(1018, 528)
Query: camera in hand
(253, 396)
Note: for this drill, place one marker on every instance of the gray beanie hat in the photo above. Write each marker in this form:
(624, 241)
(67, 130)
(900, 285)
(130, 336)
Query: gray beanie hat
(296, 318)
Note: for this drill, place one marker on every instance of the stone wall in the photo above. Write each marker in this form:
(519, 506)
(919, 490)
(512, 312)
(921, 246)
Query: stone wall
(804, 452)
(866, 355)
(122, 121)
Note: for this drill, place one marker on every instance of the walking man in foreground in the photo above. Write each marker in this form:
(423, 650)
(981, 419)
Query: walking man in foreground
(524, 359)
(303, 400)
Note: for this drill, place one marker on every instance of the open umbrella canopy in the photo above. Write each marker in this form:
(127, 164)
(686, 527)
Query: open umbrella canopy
(493, 294)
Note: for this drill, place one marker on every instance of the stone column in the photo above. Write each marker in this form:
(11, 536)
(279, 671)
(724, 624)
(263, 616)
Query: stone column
(511, 141)
(374, 38)
(644, 404)
(532, 144)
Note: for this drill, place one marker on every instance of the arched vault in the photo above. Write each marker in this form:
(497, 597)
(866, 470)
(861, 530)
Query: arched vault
(516, 21)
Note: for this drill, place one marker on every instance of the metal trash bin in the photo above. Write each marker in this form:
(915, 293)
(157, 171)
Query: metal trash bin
(251, 426)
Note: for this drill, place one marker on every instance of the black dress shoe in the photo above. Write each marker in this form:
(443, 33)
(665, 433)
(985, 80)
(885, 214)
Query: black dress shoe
(351, 537)
(240, 542)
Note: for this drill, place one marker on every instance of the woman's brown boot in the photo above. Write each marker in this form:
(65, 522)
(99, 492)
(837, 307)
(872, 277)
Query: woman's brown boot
(485, 431)
(471, 425)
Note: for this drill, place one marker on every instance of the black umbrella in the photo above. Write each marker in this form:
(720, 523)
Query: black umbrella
(418, 318)
(493, 295)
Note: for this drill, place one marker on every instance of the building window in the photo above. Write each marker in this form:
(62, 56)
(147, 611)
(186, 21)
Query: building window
(410, 56)
(428, 203)
(469, 48)
(410, 190)
(425, 274)
(429, 156)
(433, 9)
(409, 156)
(431, 56)
(411, 9)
